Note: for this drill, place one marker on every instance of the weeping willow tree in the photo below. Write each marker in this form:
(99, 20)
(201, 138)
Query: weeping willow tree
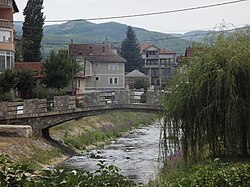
(207, 112)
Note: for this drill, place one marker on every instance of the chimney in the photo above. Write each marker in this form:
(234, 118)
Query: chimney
(72, 41)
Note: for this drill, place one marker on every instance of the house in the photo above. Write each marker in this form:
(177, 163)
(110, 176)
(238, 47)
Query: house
(189, 52)
(158, 64)
(102, 66)
(7, 47)
(133, 76)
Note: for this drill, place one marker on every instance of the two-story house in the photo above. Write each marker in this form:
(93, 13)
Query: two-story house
(158, 64)
(103, 68)
(7, 47)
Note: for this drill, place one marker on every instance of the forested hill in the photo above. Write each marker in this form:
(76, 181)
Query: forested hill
(59, 35)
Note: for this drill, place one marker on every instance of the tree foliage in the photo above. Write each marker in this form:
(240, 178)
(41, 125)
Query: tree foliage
(59, 70)
(32, 31)
(130, 50)
(26, 81)
(207, 111)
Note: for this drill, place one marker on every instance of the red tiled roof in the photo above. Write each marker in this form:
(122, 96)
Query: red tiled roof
(36, 67)
(96, 52)
(144, 46)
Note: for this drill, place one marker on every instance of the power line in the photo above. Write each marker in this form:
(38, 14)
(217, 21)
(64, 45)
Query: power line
(149, 14)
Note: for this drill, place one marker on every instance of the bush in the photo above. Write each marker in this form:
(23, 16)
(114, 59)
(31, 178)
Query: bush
(7, 96)
(19, 175)
(213, 174)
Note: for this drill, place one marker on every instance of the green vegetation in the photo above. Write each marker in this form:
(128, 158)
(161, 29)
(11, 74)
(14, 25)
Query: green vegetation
(32, 31)
(39, 156)
(26, 81)
(12, 174)
(58, 36)
(96, 130)
(59, 70)
(207, 111)
(210, 174)
(22, 80)
(130, 50)
(141, 83)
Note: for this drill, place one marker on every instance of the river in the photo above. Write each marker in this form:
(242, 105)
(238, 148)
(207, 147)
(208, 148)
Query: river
(136, 154)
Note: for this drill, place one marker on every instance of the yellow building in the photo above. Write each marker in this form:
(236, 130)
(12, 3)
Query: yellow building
(7, 47)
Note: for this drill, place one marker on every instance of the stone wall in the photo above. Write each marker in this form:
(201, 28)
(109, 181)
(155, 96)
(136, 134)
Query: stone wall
(64, 102)
(153, 97)
(34, 105)
(122, 97)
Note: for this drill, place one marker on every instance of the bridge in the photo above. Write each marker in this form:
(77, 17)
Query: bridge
(42, 115)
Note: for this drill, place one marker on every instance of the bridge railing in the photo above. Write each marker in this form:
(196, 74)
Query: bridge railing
(91, 99)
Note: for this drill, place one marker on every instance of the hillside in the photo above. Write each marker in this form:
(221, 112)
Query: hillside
(59, 35)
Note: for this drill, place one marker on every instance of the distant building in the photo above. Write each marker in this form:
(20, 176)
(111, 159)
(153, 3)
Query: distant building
(159, 64)
(134, 76)
(7, 47)
(102, 66)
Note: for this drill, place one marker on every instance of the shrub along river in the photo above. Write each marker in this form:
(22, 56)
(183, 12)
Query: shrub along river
(137, 154)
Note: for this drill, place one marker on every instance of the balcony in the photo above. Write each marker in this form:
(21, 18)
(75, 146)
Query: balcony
(6, 24)
(5, 3)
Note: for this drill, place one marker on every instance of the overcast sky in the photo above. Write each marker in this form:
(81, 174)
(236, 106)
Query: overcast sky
(237, 14)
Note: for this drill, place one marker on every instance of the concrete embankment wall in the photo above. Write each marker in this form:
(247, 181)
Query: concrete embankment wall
(16, 131)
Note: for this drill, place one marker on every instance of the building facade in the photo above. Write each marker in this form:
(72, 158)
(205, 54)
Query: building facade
(103, 68)
(7, 47)
(158, 65)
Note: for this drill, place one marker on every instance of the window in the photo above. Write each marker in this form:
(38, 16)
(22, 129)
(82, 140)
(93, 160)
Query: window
(113, 80)
(6, 60)
(97, 79)
(5, 36)
(113, 66)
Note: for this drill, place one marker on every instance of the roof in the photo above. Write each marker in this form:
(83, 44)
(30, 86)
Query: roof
(192, 50)
(136, 73)
(15, 6)
(95, 52)
(36, 67)
(80, 75)
(144, 46)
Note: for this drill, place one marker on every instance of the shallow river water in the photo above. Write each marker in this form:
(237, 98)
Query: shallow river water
(136, 154)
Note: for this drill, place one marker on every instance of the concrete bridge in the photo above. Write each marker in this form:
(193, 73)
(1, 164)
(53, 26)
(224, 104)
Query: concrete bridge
(41, 115)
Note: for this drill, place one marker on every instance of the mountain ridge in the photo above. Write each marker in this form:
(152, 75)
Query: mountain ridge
(58, 36)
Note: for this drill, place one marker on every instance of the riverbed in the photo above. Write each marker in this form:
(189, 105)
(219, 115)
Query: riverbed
(137, 154)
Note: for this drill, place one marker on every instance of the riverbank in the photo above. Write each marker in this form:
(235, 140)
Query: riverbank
(96, 131)
(79, 135)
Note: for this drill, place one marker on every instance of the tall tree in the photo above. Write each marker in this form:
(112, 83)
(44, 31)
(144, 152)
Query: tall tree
(33, 31)
(207, 111)
(59, 70)
(130, 50)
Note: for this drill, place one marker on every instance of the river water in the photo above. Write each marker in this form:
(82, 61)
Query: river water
(136, 154)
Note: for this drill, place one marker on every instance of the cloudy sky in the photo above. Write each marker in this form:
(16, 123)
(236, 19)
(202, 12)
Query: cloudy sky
(237, 14)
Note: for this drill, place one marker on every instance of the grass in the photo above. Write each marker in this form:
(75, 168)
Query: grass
(40, 157)
(96, 130)
(206, 174)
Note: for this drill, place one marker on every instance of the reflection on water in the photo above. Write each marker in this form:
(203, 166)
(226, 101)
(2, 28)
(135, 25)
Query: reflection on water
(136, 154)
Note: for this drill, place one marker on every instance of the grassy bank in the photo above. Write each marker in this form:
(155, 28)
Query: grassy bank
(96, 130)
(206, 174)
(35, 152)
